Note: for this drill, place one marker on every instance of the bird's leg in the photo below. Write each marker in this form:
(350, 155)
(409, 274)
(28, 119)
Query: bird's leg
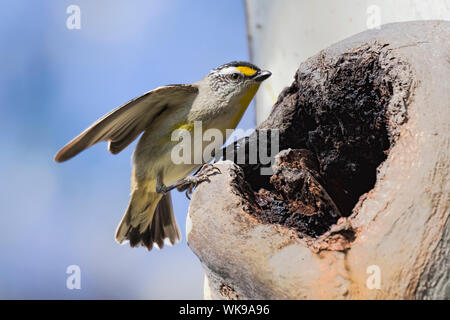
(190, 182)
(163, 189)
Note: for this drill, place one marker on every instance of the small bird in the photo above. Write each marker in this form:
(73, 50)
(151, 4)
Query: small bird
(218, 100)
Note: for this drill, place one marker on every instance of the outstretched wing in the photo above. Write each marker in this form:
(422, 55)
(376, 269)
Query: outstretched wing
(122, 125)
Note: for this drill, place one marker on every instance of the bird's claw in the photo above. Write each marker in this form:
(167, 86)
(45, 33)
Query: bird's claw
(191, 182)
(208, 169)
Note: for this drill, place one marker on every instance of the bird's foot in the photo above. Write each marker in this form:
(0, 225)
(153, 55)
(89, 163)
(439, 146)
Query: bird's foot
(189, 183)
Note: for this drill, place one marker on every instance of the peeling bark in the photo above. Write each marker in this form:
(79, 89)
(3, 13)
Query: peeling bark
(359, 188)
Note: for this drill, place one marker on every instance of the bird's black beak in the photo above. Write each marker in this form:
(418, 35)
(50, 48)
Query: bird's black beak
(262, 75)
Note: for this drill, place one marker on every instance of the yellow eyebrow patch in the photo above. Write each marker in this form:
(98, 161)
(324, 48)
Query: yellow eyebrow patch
(246, 70)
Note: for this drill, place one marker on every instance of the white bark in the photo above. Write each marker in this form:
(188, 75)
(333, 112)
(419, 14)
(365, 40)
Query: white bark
(315, 25)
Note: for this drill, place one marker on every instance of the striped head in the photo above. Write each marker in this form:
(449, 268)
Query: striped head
(236, 79)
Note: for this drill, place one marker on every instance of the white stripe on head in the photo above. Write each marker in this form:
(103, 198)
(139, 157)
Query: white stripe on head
(229, 70)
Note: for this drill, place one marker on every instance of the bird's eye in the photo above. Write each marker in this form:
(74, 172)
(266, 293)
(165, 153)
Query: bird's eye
(235, 76)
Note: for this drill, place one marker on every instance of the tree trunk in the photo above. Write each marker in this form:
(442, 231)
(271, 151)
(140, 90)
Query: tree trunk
(357, 205)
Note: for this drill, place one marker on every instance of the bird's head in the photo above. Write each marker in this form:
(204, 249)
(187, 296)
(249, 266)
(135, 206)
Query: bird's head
(236, 79)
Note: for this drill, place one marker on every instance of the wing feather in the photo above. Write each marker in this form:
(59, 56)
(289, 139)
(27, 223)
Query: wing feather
(124, 124)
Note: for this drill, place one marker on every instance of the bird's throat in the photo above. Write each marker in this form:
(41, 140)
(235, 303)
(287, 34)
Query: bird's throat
(244, 101)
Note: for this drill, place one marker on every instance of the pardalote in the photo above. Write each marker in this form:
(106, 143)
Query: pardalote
(218, 101)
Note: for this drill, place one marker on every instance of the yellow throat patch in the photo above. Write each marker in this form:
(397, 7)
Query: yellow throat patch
(244, 101)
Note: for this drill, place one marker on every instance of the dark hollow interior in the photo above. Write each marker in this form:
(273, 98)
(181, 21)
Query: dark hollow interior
(336, 109)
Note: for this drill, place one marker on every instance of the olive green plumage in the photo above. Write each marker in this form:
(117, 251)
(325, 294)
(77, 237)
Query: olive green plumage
(218, 101)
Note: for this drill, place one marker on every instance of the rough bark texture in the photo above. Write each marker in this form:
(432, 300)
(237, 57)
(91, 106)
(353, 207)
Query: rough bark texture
(360, 186)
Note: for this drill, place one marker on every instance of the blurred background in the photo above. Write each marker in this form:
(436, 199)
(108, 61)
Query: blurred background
(55, 81)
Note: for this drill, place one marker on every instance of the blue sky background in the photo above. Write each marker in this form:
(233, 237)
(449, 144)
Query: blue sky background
(54, 82)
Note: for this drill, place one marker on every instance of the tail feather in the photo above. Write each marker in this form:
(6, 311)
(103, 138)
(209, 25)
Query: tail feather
(165, 223)
(149, 219)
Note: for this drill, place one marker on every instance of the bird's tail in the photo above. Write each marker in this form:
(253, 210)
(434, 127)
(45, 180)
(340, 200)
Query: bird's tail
(149, 219)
